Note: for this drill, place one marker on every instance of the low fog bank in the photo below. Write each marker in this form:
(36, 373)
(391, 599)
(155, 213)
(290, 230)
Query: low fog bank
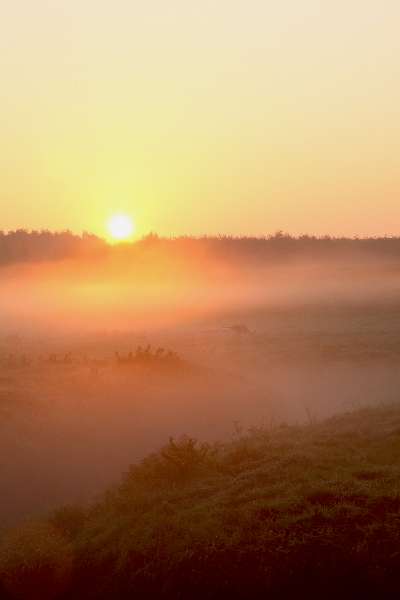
(102, 358)
(68, 433)
(152, 290)
(71, 421)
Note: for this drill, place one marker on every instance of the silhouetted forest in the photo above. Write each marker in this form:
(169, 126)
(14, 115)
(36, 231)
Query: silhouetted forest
(22, 246)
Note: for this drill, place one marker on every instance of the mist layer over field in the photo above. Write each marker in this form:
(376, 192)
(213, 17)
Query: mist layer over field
(162, 283)
(106, 354)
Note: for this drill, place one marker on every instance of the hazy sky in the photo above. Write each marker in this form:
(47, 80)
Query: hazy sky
(231, 116)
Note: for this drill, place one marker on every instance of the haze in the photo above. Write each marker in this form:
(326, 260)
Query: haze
(105, 351)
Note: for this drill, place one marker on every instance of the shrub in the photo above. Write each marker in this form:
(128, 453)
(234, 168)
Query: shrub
(178, 461)
(186, 456)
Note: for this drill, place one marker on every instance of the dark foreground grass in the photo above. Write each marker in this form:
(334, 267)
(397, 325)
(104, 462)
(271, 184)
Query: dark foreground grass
(300, 512)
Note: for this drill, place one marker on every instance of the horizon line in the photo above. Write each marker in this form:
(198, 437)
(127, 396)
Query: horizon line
(279, 234)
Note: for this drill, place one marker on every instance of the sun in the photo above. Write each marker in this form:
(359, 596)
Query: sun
(121, 227)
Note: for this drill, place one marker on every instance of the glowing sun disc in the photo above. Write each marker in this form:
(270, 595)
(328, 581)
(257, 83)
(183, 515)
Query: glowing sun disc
(121, 227)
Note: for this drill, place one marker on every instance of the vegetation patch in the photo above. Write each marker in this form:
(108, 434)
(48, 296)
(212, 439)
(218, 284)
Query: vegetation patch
(271, 514)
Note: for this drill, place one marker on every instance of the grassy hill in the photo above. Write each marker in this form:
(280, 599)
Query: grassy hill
(310, 511)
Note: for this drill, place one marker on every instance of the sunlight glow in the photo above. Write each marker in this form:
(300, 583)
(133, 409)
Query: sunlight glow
(121, 227)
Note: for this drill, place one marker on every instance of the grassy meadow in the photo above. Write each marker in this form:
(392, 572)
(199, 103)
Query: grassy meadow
(299, 511)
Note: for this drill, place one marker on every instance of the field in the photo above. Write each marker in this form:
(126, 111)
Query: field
(257, 402)
(77, 420)
(298, 510)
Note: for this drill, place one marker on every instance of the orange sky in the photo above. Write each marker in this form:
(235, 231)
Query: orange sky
(220, 116)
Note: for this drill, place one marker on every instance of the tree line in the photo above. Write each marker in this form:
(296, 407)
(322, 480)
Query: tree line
(31, 246)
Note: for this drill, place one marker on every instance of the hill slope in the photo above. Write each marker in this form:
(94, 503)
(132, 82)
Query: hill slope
(296, 512)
